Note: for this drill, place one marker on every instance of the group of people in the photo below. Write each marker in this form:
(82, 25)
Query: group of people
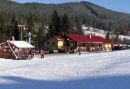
(30, 54)
(27, 54)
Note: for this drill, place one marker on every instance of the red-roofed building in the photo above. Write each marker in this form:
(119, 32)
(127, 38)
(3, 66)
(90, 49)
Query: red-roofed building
(72, 42)
(88, 43)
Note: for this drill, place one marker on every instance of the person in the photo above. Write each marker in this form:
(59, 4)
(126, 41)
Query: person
(33, 54)
(42, 53)
(79, 50)
(29, 54)
(24, 55)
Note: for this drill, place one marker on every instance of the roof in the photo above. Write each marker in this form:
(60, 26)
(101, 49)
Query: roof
(59, 37)
(87, 39)
(78, 38)
(21, 44)
(99, 39)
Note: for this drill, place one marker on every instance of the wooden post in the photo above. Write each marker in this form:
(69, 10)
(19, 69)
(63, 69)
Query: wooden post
(77, 47)
(103, 47)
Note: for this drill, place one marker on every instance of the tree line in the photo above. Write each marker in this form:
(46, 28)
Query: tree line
(60, 18)
(59, 24)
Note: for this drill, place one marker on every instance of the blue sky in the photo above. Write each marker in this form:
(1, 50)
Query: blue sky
(116, 5)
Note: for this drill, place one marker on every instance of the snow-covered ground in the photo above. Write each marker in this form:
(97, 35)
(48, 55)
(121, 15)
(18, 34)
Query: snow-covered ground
(109, 70)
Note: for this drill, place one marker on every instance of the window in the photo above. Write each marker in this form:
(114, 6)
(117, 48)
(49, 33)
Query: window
(60, 43)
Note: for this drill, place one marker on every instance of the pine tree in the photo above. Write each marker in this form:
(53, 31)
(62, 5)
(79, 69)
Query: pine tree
(14, 28)
(30, 22)
(1, 27)
(65, 24)
(40, 37)
(55, 24)
(107, 36)
(117, 38)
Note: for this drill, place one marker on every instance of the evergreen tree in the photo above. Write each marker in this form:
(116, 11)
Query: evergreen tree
(40, 37)
(55, 24)
(1, 27)
(107, 36)
(30, 22)
(65, 24)
(14, 28)
(16, 31)
(117, 38)
(4, 27)
(125, 41)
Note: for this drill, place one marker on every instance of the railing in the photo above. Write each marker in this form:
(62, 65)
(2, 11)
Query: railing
(12, 50)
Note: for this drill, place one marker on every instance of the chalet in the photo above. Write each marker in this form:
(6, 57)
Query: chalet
(16, 50)
(55, 43)
(71, 43)
(88, 43)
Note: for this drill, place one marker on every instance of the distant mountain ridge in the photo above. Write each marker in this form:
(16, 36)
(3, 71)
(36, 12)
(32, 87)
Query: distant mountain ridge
(79, 12)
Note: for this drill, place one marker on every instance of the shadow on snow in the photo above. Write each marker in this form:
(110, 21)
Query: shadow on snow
(107, 82)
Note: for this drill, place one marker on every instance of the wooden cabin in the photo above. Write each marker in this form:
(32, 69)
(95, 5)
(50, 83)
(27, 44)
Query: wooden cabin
(16, 50)
(56, 43)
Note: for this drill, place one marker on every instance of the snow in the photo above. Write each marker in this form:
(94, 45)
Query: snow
(21, 44)
(103, 70)
(94, 31)
(124, 36)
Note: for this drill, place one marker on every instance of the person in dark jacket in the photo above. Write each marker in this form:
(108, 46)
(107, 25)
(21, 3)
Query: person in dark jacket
(24, 55)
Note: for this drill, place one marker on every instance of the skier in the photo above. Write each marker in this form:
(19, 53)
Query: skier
(42, 53)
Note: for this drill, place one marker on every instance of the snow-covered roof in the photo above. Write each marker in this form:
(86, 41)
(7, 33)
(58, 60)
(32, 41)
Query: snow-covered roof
(1, 43)
(124, 36)
(21, 44)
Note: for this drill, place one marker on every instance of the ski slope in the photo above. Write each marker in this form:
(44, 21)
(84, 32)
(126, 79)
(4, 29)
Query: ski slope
(105, 70)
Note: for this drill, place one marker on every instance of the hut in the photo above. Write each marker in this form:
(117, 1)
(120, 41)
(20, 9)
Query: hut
(55, 44)
(16, 50)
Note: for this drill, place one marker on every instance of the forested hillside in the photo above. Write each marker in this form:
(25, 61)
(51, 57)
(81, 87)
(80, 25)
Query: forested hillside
(12, 13)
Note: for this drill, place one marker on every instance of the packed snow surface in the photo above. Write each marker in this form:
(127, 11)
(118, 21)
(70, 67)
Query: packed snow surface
(103, 70)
